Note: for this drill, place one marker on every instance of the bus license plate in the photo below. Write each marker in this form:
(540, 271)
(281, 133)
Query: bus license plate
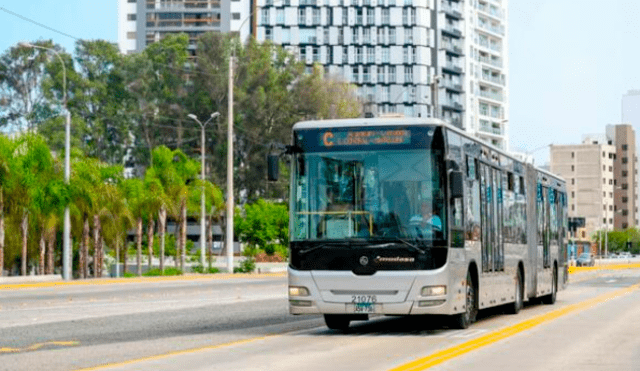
(364, 308)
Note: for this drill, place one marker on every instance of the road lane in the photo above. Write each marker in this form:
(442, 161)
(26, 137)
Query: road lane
(273, 339)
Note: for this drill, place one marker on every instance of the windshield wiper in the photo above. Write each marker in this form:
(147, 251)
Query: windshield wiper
(314, 248)
(396, 240)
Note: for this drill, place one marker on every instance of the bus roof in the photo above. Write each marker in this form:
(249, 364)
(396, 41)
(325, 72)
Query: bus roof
(364, 122)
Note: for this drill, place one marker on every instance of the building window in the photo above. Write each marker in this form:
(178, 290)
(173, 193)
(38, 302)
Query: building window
(370, 55)
(345, 17)
(408, 36)
(370, 17)
(392, 35)
(316, 17)
(131, 1)
(131, 35)
(573, 154)
(267, 33)
(380, 74)
(385, 55)
(408, 74)
(355, 77)
(625, 160)
(392, 74)
(624, 173)
(235, 16)
(405, 16)
(359, 17)
(358, 55)
(265, 16)
(131, 17)
(573, 168)
(573, 181)
(302, 16)
(625, 186)
(385, 16)
(625, 147)
(280, 16)
(405, 55)
(385, 93)
(366, 77)
(316, 55)
(345, 54)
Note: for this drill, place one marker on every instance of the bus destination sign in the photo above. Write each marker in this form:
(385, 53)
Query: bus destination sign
(365, 138)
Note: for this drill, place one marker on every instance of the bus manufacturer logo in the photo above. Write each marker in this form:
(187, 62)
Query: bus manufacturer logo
(394, 259)
(364, 260)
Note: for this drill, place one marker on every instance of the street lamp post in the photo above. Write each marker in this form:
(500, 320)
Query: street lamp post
(66, 236)
(203, 238)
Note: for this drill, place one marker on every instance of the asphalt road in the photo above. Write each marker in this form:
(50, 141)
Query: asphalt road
(243, 324)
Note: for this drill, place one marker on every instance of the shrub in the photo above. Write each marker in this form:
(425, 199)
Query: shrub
(198, 269)
(129, 275)
(248, 265)
(167, 272)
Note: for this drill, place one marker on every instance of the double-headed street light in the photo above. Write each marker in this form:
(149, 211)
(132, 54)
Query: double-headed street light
(203, 239)
(66, 237)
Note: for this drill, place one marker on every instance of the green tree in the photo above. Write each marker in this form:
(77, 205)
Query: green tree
(33, 165)
(263, 223)
(134, 193)
(23, 104)
(6, 157)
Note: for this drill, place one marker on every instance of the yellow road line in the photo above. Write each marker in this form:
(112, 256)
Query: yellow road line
(224, 276)
(37, 346)
(495, 336)
(604, 267)
(176, 353)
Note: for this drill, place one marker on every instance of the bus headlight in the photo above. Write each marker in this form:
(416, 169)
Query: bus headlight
(434, 291)
(298, 291)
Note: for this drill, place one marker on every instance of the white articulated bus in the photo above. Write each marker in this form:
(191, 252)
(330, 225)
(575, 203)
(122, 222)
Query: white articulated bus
(416, 217)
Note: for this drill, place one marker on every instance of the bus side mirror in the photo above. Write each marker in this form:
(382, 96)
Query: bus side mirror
(273, 168)
(456, 184)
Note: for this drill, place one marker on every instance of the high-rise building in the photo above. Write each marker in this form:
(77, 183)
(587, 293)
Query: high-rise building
(142, 22)
(395, 51)
(384, 47)
(631, 107)
(626, 175)
(487, 66)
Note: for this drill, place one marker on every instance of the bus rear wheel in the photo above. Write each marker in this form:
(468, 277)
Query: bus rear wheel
(551, 298)
(516, 306)
(338, 322)
(465, 319)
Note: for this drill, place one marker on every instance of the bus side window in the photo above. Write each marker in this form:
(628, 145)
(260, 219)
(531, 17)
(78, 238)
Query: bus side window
(472, 201)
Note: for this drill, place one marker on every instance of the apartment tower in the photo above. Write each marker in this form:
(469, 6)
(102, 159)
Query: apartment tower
(142, 22)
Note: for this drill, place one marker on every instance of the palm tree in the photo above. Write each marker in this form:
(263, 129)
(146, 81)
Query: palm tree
(134, 194)
(33, 162)
(119, 219)
(214, 202)
(6, 156)
(153, 201)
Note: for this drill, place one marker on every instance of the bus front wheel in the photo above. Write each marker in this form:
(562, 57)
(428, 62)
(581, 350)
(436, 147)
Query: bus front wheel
(465, 319)
(337, 321)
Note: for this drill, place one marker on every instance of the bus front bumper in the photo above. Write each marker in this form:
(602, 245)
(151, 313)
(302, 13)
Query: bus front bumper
(396, 293)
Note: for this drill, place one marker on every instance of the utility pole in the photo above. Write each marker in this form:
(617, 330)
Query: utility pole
(230, 204)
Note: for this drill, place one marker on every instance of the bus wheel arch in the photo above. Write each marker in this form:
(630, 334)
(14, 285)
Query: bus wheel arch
(465, 319)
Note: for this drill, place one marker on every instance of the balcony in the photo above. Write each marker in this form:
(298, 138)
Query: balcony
(453, 68)
(496, 62)
(489, 45)
(450, 85)
(451, 105)
(491, 95)
(493, 79)
(490, 11)
(452, 48)
(451, 10)
(452, 32)
(492, 130)
(498, 30)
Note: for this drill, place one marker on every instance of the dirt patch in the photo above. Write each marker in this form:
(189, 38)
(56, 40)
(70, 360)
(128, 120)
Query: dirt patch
(262, 257)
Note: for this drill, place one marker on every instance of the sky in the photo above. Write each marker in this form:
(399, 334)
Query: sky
(570, 61)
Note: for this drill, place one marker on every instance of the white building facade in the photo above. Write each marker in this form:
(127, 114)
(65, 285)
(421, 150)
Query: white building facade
(487, 66)
(394, 51)
(143, 22)
(385, 47)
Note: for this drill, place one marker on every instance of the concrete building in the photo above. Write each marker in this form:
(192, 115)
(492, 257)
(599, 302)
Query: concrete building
(142, 22)
(602, 178)
(588, 170)
(625, 175)
(487, 66)
(395, 51)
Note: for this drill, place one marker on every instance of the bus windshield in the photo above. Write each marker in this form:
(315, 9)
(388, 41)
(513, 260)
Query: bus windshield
(369, 195)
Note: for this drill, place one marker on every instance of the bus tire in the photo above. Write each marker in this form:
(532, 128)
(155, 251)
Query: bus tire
(465, 319)
(516, 306)
(551, 298)
(338, 322)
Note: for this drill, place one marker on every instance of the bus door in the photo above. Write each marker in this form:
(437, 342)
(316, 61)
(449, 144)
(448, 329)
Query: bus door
(491, 218)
